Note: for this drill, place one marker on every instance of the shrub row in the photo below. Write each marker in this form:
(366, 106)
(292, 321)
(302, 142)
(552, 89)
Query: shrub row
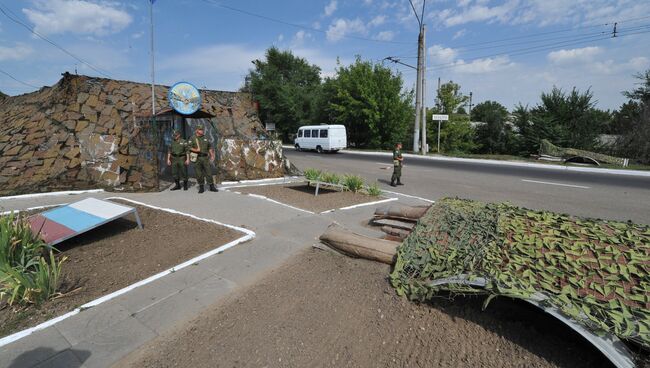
(353, 183)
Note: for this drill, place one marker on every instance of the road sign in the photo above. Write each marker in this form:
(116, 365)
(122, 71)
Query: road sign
(440, 117)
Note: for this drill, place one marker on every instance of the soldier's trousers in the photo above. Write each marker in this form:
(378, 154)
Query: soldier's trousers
(397, 173)
(179, 170)
(203, 170)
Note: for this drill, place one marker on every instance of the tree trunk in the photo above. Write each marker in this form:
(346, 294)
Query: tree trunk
(401, 212)
(360, 246)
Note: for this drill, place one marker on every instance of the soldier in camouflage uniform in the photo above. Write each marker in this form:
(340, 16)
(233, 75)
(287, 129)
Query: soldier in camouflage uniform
(200, 145)
(178, 159)
(396, 179)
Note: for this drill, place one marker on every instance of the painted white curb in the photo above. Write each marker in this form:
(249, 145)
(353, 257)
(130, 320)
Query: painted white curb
(280, 203)
(360, 205)
(409, 196)
(283, 179)
(249, 235)
(50, 194)
(32, 208)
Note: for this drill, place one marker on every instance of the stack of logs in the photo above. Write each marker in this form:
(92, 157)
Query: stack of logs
(396, 221)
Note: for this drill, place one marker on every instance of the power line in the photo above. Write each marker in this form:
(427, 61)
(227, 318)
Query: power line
(275, 20)
(26, 26)
(18, 80)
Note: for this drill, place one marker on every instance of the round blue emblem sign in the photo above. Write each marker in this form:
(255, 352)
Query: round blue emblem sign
(184, 98)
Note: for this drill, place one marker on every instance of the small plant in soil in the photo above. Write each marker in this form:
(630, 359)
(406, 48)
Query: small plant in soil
(331, 178)
(373, 190)
(29, 271)
(353, 183)
(312, 174)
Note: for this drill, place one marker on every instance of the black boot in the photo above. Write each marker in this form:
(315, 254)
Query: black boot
(177, 186)
(399, 183)
(213, 188)
(184, 184)
(392, 183)
(201, 188)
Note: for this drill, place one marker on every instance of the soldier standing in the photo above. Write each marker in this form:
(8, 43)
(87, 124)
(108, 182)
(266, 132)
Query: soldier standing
(396, 179)
(178, 159)
(200, 148)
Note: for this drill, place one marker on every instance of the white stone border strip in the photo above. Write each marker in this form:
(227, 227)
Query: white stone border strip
(409, 196)
(360, 205)
(280, 203)
(249, 235)
(31, 209)
(510, 163)
(51, 194)
(283, 179)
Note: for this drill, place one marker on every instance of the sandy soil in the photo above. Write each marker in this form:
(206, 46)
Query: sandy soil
(302, 196)
(323, 309)
(116, 255)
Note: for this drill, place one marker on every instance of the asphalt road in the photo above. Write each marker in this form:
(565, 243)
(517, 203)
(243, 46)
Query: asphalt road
(596, 195)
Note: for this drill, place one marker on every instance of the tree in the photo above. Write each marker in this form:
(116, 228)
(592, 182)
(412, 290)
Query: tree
(450, 98)
(286, 87)
(456, 135)
(494, 135)
(370, 101)
(624, 118)
(635, 142)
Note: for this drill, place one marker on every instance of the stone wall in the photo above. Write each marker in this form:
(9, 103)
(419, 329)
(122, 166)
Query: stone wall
(243, 159)
(88, 132)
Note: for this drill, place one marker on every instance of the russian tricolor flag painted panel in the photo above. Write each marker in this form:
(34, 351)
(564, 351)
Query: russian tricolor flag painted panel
(64, 222)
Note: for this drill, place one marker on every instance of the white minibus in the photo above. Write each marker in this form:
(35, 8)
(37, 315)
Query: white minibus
(321, 138)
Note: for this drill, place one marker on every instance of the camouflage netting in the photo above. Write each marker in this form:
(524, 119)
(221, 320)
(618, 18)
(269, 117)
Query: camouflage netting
(594, 271)
(548, 148)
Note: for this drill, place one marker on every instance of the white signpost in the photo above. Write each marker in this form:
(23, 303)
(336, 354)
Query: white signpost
(439, 118)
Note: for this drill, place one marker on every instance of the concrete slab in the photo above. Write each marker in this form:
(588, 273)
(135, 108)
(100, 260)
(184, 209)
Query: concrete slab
(190, 275)
(210, 290)
(33, 349)
(145, 296)
(91, 321)
(111, 345)
(176, 309)
(66, 359)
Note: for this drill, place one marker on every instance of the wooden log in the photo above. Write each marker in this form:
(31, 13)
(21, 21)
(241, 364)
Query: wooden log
(393, 223)
(360, 246)
(408, 213)
(395, 232)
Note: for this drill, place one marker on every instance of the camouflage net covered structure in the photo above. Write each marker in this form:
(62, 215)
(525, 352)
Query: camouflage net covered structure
(595, 272)
(548, 148)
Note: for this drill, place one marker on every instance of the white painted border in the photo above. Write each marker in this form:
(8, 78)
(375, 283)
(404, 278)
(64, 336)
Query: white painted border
(360, 205)
(267, 180)
(280, 203)
(249, 235)
(409, 196)
(32, 208)
(51, 194)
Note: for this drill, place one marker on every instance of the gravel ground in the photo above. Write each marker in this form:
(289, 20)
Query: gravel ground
(325, 310)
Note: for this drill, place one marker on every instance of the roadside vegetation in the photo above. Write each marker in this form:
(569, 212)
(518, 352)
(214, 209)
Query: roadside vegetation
(371, 100)
(349, 182)
(29, 271)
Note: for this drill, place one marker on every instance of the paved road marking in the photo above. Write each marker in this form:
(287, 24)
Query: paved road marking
(558, 184)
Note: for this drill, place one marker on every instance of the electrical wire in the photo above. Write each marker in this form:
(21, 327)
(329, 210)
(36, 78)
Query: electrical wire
(275, 20)
(3, 10)
(18, 80)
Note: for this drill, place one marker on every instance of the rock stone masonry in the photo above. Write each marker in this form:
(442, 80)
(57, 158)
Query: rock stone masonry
(85, 132)
(246, 159)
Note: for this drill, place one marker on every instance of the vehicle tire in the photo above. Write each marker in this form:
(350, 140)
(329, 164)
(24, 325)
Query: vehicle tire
(319, 149)
(298, 147)
(335, 151)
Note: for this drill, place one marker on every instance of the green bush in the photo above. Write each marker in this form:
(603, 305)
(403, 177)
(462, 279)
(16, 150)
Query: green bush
(353, 183)
(373, 190)
(312, 174)
(331, 178)
(26, 277)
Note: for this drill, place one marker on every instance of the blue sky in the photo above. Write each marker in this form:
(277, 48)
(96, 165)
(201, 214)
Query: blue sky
(508, 51)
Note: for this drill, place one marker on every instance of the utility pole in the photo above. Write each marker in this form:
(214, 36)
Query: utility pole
(470, 103)
(153, 74)
(419, 84)
(424, 92)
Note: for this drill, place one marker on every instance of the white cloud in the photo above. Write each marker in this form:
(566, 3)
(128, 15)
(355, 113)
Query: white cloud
(330, 8)
(77, 16)
(377, 21)
(478, 13)
(343, 27)
(459, 34)
(137, 35)
(573, 55)
(18, 52)
(385, 36)
(486, 65)
(438, 54)
(300, 37)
